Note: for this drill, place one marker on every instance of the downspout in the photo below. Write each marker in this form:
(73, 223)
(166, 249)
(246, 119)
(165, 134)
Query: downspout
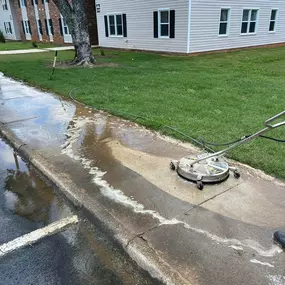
(189, 25)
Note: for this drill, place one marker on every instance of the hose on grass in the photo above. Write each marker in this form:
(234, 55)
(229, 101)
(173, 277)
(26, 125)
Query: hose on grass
(201, 142)
(138, 116)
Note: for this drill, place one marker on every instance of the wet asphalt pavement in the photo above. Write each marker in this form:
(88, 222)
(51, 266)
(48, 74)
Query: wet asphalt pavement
(79, 255)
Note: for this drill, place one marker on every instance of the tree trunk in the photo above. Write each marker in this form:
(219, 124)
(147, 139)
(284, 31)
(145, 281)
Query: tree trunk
(75, 17)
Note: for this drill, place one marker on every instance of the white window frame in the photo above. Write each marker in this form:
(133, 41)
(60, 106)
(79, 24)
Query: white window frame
(5, 5)
(228, 22)
(50, 26)
(27, 27)
(115, 23)
(8, 28)
(159, 23)
(65, 26)
(275, 21)
(249, 21)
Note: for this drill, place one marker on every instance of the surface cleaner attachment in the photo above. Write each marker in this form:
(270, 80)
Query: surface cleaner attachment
(212, 167)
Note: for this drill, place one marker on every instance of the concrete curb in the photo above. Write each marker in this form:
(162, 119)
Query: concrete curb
(135, 247)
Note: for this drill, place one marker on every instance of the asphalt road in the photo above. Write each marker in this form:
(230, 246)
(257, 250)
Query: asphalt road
(79, 255)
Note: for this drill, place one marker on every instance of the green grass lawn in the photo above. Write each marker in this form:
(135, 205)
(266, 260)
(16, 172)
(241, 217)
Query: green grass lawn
(22, 45)
(217, 97)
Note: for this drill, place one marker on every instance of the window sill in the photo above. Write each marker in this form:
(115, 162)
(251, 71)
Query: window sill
(115, 36)
(249, 34)
(223, 36)
(161, 37)
(272, 32)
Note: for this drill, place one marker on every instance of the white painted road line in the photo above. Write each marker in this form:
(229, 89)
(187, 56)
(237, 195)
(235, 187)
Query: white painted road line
(36, 235)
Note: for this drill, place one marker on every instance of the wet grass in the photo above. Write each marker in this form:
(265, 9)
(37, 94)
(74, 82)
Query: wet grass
(218, 97)
(22, 45)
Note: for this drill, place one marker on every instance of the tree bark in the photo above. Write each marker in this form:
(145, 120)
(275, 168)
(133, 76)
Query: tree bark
(75, 17)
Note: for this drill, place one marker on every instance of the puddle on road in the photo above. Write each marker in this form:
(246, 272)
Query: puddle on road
(79, 255)
(23, 193)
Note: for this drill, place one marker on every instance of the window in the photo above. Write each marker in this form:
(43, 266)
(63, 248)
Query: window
(224, 22)
(23, 3)
(163, 23)
(249, 21)
(65, 27)
(115, 25)
(50, 26)
(27, 28)
(8, 28)
(273, 19)
(5, 5)
(40, 27)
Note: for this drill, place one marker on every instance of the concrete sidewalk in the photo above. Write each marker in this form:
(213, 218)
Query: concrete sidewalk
(119, 173)
(39, 50)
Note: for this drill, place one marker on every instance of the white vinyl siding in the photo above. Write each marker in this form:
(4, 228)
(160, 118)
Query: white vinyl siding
(140, 29)
(204, 36)
(8, 20)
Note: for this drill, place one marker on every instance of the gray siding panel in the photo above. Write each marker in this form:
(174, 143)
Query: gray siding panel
(140, 24)
(205, 24)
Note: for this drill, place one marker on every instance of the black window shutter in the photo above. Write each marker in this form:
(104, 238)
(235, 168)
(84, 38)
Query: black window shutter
(172, 24)
(155, 24)
(125, 34)
(46, 26)
(32, 2)
(19, 3)
(60, 26)
(30, 27)
(36, 2)
(25, 1)
(51, 26)
(106, 26)
(23, 27)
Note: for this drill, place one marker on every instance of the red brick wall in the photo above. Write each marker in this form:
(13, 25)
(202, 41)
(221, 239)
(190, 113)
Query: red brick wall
(42, 16)
(92, 21)
(54, 15)
(19, 19)
(32, 19)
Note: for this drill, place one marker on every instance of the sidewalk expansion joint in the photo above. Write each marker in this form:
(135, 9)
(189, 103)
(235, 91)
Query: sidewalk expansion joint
(211, 198)
(19, 97)
(141, 234)
(20, 120)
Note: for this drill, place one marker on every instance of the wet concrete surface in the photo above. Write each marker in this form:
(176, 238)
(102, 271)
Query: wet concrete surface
(219, 236)
(79, 255)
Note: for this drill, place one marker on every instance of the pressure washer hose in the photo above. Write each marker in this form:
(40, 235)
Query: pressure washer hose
(200, 142)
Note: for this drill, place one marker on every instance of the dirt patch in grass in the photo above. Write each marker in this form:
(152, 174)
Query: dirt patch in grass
(66, 65)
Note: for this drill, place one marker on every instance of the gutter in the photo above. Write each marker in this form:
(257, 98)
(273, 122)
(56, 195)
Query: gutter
(189, 26)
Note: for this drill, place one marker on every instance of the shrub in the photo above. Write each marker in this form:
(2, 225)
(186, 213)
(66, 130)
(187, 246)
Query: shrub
(102, 52)
(2, 38)
(34, 44)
